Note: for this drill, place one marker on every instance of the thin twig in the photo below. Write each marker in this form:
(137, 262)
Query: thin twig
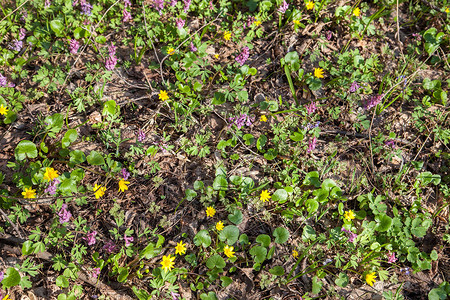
(16, 229)
(15, 10)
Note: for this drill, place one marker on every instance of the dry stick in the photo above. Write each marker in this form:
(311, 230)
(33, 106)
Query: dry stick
(12, 224)
(398, 36)
(15, 10)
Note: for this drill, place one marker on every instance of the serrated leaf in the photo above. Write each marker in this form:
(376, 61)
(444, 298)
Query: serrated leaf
(62, 281)
(281, 235)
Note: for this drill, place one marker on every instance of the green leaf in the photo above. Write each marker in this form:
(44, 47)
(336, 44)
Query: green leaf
(215, 261)
(236, 217)
(12, 278)
(263, 239)
(312, 205)
(27, 248)
(258, 253)
(111, 108)
(342, 280)
(291, 57)
(226, 281)
(261, 142)
(100, 39)
(384, 222)
(123, 274)
(316, 285)
(230, 234)
(308, 233)
(80, 33)
(434, 255)
(277, 270)
(202, 238)
(220, 183)
(312, 178)
(95, 158)
(62, 281)
(25, 149)
(69, 137)
(281, 235)
(209, 296)
(77, 157)
(57, 26)
(149, 251)
(219, 98)
(248, 138)
(271, 154)
(280, 196)
(54, 122)
(190, 194)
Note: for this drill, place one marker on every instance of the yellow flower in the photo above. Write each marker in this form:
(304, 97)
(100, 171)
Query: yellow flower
(180, 248)
(227, 35)
(294, 253)
(216, 56)
(265, 196)
(447, 10)
(6, 298)
(257, 23)
(168, 262)
(309, 5)
(123, 185)
(50, 174)
(318, 72)
(29, 193)
(219, 226)
(228, 250)
(296, 22)
(171, 51)
(356, 12)
(99, 191)
(3, 110)
(370, 278)
(210, 211)
(163, 95)
(263, 118)
(349, 215)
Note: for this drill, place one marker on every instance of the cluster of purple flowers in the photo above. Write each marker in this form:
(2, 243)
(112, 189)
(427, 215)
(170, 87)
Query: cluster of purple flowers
(193, 48)
(390, 143)
(4, 82)
(90, 238)
(352, 236)
(354, 87)
(162, 146)
(373, 101)
(391, 257)
(406, 270)
(283, 8)
(158, 5)
(128, 240)
(47, 3)
(140, 136)
(112, 59)
(180, 23)
(311, 108)
(125, 174)
(110, 247)
(312, 144)
(17, 44)
(329, 35)
(74, 46)
(242, 120)
(86, 7)
(187, 4)
(64, 214)
(52, 187)
(95, 272)
(311, 126)
(242, 58)
(24, 16)
(126, 16)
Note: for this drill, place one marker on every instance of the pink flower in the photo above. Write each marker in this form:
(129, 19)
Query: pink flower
(352, 236)
(109, 247)
(64, 214)
(312, 144)
(180, 23)
(128, 240)
(391, 257)
(283, 8)
(73, 46)
(90, 238)
(126, 16)
(193, 48)
(95, 272)
(242, 58)
(310, 108)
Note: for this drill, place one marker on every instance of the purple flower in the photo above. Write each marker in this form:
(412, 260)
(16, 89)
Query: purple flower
(354, 87)
(329, 35)
(193, 48)
(95, 272)
(52, 187)
(2, 275)
(126, 16)
(407, 270)
(312, 144)
(187, 4)
(74, 46)
(109, 247)
(16, 45)
(174, 296)
(64, 214)
(211, 6)
(90, 238)
(180, 23)
(75, 2)
(111, 61)
(3, 81)
(311, 108)
(22, 33)
(126, 3)
(158, 5)
(390, 143)
(391, 257)
(283, 8)
(24, 16)
(352, 236)
(242, 120)
(242, 58)
(373, 101)
(173, 3)
(140, 136)
(86, 8)
(47, 3)
(417, 36)
(128, 240)
(125, 174)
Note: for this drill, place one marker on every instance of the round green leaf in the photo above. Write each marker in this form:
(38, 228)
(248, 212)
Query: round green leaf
(57, 26)
(12, 278)
(281, 235)
(230, 234)
(312, 205)
(258, 253)
(342, 280)
(215, 261)
(69, 137)
(280, 196)
(236, 217)
(202, 238)
(277, 270)
(25, 149)
(95, 158)
(384, 222)
(220, 183)
(226, 281)
(27, 248)
(62, 281)
(263, 239)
